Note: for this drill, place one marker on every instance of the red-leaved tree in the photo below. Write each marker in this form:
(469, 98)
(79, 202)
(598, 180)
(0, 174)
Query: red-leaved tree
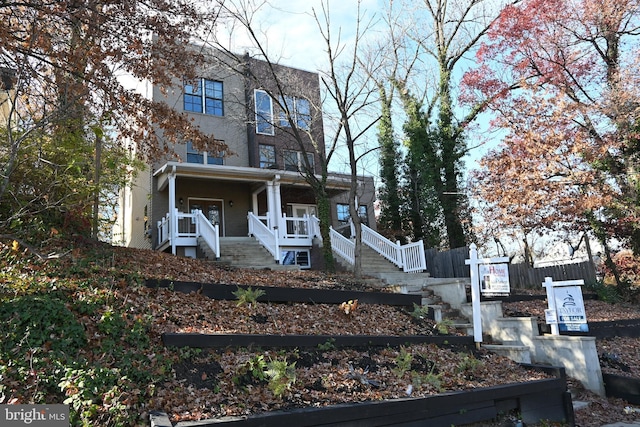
(569, 158)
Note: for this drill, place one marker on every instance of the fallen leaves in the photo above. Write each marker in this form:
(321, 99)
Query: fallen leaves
(349, 306)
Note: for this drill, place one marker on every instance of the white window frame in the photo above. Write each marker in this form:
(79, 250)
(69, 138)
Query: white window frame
(263, 117)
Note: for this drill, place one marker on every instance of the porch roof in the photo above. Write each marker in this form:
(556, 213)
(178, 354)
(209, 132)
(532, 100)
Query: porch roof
(241, 174)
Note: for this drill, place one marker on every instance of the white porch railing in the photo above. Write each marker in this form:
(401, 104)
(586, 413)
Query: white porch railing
(297, 227)
(188, 227)
(268, 239)
(385, 247)
(314, 226)
(210, 233)
(413, 259)
(342, 246)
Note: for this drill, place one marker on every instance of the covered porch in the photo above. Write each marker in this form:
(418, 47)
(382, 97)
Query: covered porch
(196, 205)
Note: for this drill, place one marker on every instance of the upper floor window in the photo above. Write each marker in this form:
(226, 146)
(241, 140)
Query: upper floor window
(267, 156)
(264, 113)
(300, 111)
(203, 158)
(202, 95)
(343, 215)
(293, 160)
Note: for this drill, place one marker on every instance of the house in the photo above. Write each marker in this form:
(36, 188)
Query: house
(190, 203)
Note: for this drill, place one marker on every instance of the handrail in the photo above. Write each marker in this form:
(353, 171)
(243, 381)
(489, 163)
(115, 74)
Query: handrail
(382, 245)
(314, 226)
(409, 257)
(210, 233)
(189, 225)
(413, 257)
(342, 246)
(298, 227)
(163, 230)
(268, 238)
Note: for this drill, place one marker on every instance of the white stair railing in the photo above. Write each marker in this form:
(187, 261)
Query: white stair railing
(210, 233)
(314, 226)
(408, 257)
(268, 239)
(385, 247)
(413, 258)
(342, 246)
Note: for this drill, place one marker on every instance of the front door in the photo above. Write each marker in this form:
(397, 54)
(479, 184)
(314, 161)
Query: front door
(212, 209)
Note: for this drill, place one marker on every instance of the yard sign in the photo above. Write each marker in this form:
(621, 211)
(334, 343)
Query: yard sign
(494, 279)
(566, 306)
(475, 265)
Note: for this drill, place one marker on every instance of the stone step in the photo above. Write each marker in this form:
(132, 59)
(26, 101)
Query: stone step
(245, 252)
(517, 353)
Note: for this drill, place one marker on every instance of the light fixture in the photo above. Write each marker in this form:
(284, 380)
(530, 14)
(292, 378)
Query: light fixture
(181, 201)
(230, 203)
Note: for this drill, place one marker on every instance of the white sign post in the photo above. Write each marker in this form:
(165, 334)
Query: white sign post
(474, 263)
(566, 306)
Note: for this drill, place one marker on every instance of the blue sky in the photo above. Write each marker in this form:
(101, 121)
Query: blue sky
(290, 33)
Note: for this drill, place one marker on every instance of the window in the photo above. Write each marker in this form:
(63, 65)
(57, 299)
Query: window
(264, 113)
(210, 100)
(299, 108)
(195, 156)
(213, 98)
(343, 214)
(293, 160)
(267, 156)
(295, 257)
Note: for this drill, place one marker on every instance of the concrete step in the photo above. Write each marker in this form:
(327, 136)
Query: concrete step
(517, 353)
(245, 252)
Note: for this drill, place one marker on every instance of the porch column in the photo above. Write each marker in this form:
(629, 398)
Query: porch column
(270, 206)
(277, 204)
(173, 227)
(273, 202)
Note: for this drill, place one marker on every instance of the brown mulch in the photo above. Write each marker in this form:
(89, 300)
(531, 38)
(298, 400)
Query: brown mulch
(619, 355)
(213, 383)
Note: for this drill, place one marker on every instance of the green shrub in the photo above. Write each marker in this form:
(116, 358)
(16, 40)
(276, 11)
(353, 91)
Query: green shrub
(281, 375)
(248, 296)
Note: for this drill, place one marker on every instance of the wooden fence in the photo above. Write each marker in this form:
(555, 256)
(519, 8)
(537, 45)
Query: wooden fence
(452, 264)
(447, 264)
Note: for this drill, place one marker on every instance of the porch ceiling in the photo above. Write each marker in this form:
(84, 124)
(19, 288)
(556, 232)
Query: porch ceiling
(241, 174)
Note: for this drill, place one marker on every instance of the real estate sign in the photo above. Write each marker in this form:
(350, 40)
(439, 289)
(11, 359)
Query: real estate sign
(494, 279)
(571, 315)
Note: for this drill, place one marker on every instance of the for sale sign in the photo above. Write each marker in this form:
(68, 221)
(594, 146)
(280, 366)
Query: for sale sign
(494, 279)
(570, 310)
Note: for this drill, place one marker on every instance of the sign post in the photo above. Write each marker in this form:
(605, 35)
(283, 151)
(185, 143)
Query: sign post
(491, 277)
(566, 307)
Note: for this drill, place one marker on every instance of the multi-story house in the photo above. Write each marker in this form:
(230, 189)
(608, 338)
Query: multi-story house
(189, 203)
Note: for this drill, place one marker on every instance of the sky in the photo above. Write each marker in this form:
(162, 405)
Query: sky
(291, 35)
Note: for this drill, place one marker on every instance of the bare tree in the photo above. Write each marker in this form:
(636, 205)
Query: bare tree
(347, 93)
(353, 92)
